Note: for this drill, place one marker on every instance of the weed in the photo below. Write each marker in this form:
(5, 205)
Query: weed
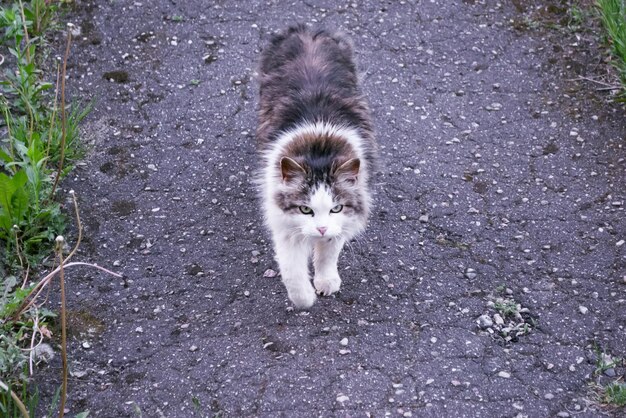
(34, 138)
(38, 144)
(21, 332)
(608, 390)
(506, 307)
(613, 17)
(615, 394)
(10, 404)
(177, 18)
(604, 361)
(196, 405)
(576, 18)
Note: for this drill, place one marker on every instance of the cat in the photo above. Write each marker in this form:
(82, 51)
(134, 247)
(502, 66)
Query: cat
(318, 151)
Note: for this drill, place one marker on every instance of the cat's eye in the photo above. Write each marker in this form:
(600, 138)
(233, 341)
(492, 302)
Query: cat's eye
(306, 210)
(337, 209)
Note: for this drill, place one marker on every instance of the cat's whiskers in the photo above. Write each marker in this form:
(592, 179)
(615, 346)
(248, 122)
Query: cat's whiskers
(296, 234)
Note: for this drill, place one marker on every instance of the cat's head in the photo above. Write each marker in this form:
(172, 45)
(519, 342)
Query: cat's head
(322, 199)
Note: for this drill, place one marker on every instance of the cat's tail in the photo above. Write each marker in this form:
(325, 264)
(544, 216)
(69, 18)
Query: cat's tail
(287, 45)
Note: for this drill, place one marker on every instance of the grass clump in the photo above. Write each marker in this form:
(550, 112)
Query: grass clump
(608, 388)
(613, 17)
(615, 394)
(38, 147)
(38, 138)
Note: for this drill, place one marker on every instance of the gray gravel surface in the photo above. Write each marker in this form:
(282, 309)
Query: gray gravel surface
(499, 177)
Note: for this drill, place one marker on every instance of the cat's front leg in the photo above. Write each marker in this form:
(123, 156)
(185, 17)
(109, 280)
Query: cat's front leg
(325, 257)
(293, 261)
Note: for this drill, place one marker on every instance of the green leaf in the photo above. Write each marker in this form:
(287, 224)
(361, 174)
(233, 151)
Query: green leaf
(13, 209)
(5, 156)
(20, 204)
(7, 189)
(14, 52)
(30, 68)
(14, 302)
(21, 149)
(8, 285)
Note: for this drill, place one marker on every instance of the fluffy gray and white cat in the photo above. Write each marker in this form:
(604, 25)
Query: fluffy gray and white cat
(317, 146)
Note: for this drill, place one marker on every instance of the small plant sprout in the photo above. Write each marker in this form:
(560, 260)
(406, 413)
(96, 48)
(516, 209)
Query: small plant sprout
(507, 307)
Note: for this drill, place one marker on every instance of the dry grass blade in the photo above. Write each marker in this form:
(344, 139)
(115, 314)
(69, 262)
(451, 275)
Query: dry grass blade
(16, 399)
(59, 249)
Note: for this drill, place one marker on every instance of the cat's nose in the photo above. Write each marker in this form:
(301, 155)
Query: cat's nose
(322, 229)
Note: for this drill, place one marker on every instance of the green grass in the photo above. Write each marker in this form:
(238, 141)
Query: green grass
(8, 408)
(615, 394)
(506, 307)
(613, 16)
(39, 145)
(33, 139)
(608, 392)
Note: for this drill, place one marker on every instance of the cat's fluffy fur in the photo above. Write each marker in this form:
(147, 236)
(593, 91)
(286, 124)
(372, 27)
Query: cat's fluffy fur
(317, 146)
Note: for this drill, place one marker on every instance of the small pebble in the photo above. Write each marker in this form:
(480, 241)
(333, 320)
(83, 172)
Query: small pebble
(470, 273)
(270, 273)
(342, 398)
(495, 106)
(583, 309)
(484, 321)
(504, 375)
(193, 348)
(86, 345)
(344, 342)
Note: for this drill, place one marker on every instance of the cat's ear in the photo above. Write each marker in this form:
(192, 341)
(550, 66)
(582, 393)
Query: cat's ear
(349, 171)
(290, 169)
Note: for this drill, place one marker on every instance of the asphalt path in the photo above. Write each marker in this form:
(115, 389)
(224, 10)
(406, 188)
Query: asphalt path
(500, 186)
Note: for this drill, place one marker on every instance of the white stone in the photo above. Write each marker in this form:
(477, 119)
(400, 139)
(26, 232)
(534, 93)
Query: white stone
(342, 398)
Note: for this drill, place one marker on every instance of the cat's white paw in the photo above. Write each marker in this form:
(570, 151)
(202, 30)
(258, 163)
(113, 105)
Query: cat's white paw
(326, 286)
(303, 297)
